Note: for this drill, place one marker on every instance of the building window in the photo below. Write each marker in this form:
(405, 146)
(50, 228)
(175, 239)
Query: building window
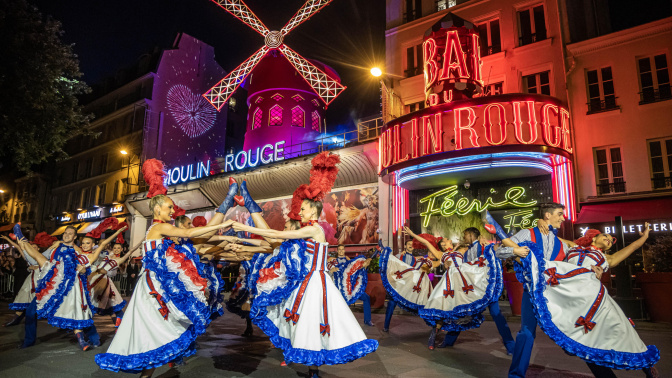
(538, 83)
(609, 171)
(75, 171)
(256, 118)
(298, 117)
(416, 106)
(68, 204)
(413, 61)
(445, 4)
(489, 36)
(100, 194)
(531, 25)
(660, 152)
(277, 97)
(103, 163)
(119, 190)
(654, 79)
(493, 89)
(315, 102)
(258, 100)
(88, 168)
(413, 10)
(297, 98)
(315, 119)
(84, 198)
(275, 116)
(601, 95)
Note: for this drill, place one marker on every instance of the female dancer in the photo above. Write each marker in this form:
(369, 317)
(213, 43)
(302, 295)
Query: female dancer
(27, 291)
(574, 310)
(169, 306)
(62, 293)
(311, 322)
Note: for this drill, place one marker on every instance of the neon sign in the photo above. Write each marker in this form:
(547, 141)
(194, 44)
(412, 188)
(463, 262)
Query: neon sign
(116, 209)
(65, 218)
(520, 220)
(89, 214)
(634, 228)
(187, 173)
(463, 206)
(245, 159)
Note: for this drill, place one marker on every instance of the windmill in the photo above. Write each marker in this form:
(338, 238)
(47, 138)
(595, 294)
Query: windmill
(324, 86)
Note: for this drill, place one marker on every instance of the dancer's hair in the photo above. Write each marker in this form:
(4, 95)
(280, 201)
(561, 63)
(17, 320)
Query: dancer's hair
(587, 239)
(294, 224)
(316, 204)
(549, 208)
(474, 231)
(158, 199)
(72, 228)
(180, 220)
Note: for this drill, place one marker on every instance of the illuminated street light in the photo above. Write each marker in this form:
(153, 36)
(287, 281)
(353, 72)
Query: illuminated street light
(375, 71)
(2, 191)
(123, 152)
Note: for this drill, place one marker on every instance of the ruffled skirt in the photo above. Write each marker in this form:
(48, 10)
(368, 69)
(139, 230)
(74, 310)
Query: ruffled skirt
(63, 296)
(26, 293)
(351, 279)
(108, 300)
(574, 309)
(408, 287)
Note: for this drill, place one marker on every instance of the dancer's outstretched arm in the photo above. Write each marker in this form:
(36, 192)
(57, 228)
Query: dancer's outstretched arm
(129, 254)
(18, 248)
(302, 233)
(165, 229)
(32, 252)
(424, 242)
(617, 257)
(101, 247)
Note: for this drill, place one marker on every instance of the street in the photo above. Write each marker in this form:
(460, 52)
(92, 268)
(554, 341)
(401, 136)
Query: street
(402, 353)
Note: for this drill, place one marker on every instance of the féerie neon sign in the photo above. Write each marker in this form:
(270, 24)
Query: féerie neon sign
(463, 206)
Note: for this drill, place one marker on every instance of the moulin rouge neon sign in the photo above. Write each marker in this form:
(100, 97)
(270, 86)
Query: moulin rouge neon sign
(449, 206)
(458, 117)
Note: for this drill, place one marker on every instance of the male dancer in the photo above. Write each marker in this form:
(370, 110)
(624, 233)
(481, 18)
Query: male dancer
(471, 237)
(554, 250)
(406, 256)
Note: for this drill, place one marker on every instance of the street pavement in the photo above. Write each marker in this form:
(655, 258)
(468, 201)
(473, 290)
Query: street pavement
(403, 352)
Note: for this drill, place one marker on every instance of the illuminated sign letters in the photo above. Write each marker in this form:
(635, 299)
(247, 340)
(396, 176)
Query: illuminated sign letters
(116, 209)
(633, 228)
(247, 159)
(65, 218)
(520, 220)
(89, 214)
(186, 173)
(463, 206)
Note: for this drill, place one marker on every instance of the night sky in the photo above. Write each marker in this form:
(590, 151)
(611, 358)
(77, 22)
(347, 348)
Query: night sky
(347, 35)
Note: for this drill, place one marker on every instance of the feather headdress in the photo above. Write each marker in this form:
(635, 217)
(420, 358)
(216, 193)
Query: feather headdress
(587, 239)
(106, 224)
(322, 179)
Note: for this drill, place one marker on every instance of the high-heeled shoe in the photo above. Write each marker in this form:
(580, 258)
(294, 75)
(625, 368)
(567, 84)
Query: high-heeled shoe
(17, 232)
(432, 339)
(82, 343)
(229, 200)
(251, 206)
(15, 321)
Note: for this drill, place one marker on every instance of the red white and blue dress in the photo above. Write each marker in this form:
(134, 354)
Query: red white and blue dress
(574, 309)
(298, 306)
(62, 294)
(464, 292)
(168, 310)
(27, 291)
(107, 300)
(409, 286)
(350, 278)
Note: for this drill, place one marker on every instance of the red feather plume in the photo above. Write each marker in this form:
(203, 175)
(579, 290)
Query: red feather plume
(199, 221)
(44, 240)
(108, 223)
(433, 240)
(587, 239)
(152, 171)
(178, 211)
(120, 237)
(322, 179)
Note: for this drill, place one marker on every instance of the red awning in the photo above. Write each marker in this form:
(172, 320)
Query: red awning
(648, 209)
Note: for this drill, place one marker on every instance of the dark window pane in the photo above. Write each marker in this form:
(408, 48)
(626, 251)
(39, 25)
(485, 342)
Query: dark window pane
(592, 77)
(410, 62)
(668, 147)
(546, 89)
(418, 54)
(543, 78)
(655, 149)
(647, 80)
(608, 87)
(615, 154)
(663, 77)
(525, 24)
(616, 170)
(495, 39)
(606, 74)
(594, 91)
(531, 81)
(603, 172)
(609, 101)
(657, 164)
(601, 156)
(539, 23)
(644, 65)
(661, 61)
(483, 36)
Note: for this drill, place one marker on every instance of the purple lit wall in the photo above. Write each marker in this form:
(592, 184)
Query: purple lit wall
(184, 128)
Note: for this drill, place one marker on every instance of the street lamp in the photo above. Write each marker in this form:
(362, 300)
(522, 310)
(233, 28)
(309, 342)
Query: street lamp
(375, 71)
(123, 152)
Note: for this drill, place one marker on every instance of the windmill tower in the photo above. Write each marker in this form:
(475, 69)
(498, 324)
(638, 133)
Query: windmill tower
(287, 94)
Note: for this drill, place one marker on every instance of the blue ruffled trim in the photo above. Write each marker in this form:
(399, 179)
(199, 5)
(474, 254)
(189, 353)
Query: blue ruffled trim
(175, 350)
(18, 306)
(473, 309)
(216, 297)
(174, 290)
(67, 256)
(65, 323)
(359, 274)
(609, 358)
(110, 310)
(396, 297)
(258, 262)
(295, 272)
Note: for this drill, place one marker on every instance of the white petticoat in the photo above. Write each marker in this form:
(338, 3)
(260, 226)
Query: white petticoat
(409, 287)
(26, 293)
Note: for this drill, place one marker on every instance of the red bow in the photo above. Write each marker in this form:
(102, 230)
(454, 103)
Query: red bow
(553, 277)
(294, 317)
(446, 293)
(468, 288)
(325, 329)
(587, 324)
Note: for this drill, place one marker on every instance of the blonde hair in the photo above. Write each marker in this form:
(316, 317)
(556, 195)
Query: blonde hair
(157, 200)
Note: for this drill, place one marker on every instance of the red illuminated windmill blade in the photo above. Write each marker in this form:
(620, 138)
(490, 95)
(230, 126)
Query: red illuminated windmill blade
(325, 87)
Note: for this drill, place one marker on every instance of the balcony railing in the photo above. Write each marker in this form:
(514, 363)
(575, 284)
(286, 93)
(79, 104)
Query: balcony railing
(649, 95)
(599, 106)
(611, 187)
(531, 38)
(413, 71)
(661, 182)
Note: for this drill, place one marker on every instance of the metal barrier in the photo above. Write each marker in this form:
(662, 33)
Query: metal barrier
(122, 283)
(6, 284)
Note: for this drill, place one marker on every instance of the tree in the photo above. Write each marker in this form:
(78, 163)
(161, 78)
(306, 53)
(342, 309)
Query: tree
(39, 84)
